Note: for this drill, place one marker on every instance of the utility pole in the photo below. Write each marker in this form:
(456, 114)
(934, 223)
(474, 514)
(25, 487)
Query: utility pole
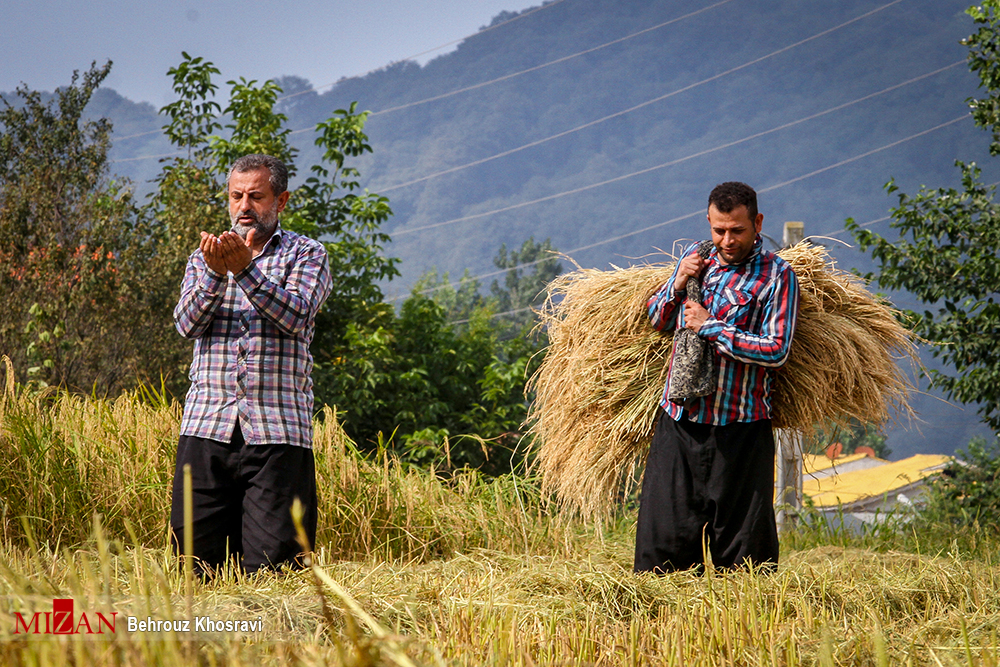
(788, 480)
(794, 233)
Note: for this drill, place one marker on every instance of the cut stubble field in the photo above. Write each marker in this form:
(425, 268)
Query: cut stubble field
(414, 567)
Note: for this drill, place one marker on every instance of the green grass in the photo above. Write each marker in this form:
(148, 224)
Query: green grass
(413, 567)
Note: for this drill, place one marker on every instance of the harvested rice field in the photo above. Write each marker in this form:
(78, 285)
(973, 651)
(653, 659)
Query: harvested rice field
(417, 568)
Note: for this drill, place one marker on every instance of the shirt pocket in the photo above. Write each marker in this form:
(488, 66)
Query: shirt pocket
(735, 307)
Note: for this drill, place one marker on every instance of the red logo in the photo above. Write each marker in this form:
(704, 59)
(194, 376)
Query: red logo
(62, 621)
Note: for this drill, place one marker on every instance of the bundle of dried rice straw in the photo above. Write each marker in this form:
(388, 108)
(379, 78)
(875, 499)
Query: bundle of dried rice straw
(599, 387)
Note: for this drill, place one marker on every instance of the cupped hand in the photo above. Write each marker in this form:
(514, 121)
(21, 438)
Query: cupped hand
(212, 252)
(236, 251)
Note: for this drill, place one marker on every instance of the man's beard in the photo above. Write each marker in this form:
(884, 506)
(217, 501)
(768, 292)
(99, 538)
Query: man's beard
(263, 225)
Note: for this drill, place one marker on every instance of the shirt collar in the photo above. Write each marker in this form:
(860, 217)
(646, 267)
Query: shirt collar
(758, 245)
(275, 239)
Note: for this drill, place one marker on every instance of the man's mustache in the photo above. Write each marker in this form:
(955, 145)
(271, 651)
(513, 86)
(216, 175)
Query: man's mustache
(248, 214)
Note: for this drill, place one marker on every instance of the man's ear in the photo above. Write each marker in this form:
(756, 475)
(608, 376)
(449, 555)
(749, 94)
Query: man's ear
(283, 199)
(759, 222)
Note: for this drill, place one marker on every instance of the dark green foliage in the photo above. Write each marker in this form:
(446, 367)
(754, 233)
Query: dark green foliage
(967, 494)
(444, 381)
(519, 287)
(859, 435)
(437, 393)
(949, 260)
(523, 289)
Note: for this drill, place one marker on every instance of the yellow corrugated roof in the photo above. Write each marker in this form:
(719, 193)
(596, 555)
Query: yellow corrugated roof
(849, 487)
(817, 462)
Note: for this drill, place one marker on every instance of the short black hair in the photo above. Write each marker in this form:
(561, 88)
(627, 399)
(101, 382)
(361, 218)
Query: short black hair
(733, 194)
(275, 167)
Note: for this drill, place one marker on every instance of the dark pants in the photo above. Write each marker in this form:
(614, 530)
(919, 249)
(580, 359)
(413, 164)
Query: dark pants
(243, 497)
(707, 482)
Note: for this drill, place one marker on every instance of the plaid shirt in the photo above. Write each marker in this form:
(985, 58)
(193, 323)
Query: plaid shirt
(252, 334)
(752, 310)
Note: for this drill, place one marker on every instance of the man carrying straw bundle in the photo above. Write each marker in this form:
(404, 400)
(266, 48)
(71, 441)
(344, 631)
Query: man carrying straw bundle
(709, 475)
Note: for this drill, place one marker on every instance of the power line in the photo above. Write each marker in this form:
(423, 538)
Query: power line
(557, 61)
(677, 219)
(702, 211)
(867, 224)
(149, 157)
(358, 76)
(887, 217)
(528, 70)
(679, 160)
(527, 308)
(598, 121)
(629, 110)
(141, 134)
(495, 315)
(863, 155)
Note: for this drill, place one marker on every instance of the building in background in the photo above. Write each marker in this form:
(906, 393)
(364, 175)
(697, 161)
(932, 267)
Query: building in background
(858, 490)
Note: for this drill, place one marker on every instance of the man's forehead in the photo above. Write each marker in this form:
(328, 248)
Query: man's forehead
(255, 179)
(739, 215)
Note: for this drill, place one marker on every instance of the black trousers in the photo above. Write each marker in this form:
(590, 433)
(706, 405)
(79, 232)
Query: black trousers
(711, 481)
(243, 497)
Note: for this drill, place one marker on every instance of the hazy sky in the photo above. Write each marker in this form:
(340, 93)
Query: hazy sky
(45, 40)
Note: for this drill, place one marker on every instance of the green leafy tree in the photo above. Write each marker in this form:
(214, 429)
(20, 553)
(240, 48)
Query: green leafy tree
(444, 381)
(858, 435)
(191, 198)
(459, 300)
(432, 391)
(968, 492)
(523, 289)
(328, 205)
(946, 253)
(75, 250)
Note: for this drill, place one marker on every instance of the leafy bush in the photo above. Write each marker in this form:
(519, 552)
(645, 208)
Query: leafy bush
(967, 494)
(82, 295)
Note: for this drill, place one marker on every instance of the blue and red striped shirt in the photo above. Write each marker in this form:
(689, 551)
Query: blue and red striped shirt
(251, 336)
(752, 311)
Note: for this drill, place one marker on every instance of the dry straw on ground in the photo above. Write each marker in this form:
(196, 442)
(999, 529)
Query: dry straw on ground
(599, 387)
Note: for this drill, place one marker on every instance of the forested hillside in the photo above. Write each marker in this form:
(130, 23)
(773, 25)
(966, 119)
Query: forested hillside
(603, 124)
(709, 105)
